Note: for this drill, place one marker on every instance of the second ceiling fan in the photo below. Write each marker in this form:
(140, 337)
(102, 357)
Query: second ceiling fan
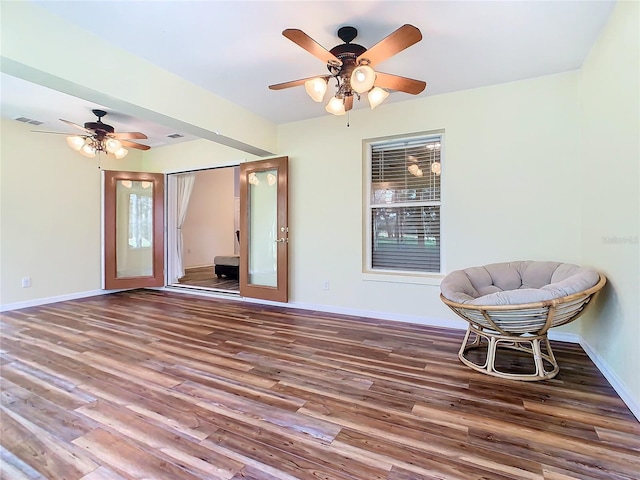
(351, 65)
(98, 137)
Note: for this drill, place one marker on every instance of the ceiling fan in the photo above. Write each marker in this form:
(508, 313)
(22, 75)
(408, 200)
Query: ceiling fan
(351, 65)
(100, 137)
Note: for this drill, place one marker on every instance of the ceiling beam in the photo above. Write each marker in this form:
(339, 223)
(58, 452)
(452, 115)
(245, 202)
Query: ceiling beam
(42, 48)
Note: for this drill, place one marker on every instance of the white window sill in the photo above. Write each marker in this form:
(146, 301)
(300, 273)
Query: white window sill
(418, 279)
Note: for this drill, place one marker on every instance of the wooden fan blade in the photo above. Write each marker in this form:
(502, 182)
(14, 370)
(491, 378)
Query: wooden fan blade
(402, 84)
(296, 83)
(57, 133)
(348, 103)
(139, 146)
(310, 45)
(86, 130)
(125, 135)
(394, 43)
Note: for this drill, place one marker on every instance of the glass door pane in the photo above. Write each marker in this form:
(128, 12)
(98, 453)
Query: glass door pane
(264, 239)
(263, 228)
(134, 229)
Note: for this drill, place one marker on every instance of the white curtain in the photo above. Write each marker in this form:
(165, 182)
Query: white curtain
(185, 182)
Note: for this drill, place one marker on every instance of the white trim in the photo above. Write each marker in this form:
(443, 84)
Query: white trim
(201, 292)
(165, 230)
(434, 279)
(395, 317)
(59, 298)
(170, 221)
(617, 384)
(568, 337)
(102, 242)
(211, 265)
(230, 163)
(420, 320)
(600, 363)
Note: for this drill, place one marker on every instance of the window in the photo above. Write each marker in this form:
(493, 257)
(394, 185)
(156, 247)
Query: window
(403, 217)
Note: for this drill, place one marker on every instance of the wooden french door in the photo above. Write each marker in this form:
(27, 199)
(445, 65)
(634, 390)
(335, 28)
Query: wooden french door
(264, 230)
(133, 230)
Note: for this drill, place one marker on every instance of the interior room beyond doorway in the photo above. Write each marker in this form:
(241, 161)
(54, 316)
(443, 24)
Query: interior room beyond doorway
(209, 229)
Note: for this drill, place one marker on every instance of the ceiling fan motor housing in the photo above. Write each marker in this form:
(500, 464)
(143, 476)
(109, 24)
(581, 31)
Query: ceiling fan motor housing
(100, 128)
(347, 53)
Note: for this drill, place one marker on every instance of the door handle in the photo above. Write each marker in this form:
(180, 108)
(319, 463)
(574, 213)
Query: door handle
(282, 240)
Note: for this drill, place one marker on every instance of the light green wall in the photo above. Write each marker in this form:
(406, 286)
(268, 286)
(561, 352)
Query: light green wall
(49, 214)
(508, 173)
(609, 174)
(208, 228)
(195, 155)
(50, 208)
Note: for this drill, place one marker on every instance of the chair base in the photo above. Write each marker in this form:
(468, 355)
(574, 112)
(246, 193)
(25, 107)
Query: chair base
(531, 344)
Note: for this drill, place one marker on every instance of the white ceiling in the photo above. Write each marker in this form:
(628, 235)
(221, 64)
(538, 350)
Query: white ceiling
(235, 49)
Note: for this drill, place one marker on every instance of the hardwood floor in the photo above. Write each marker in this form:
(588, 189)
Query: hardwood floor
(159, 385)
(204, 277)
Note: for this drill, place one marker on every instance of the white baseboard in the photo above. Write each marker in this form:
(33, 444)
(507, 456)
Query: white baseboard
(207, 265)
(200, 291)
(59, 298)
(602, 365)
(617, 384)
(568, 337)
(429, 321)
(395, 317)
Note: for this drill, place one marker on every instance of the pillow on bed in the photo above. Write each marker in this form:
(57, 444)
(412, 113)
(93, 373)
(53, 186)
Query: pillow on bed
(227, 260)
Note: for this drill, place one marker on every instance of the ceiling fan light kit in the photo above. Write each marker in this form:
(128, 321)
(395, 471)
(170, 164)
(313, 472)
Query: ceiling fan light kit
(362, 78)
(316, 88)
(336, 106)
(112, 145)
(376, 96)
(100, 137)
(89, 147)
(76, 142)
(351, 65)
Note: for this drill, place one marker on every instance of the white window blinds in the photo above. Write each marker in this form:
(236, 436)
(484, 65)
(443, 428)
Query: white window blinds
(404, 204)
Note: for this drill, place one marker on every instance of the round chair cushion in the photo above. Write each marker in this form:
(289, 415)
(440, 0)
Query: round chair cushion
(514, 283)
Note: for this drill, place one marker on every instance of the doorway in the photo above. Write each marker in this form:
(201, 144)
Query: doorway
(257, 230)
(208, 227)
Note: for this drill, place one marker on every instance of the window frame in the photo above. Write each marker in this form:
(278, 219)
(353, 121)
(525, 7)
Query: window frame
(402, 276)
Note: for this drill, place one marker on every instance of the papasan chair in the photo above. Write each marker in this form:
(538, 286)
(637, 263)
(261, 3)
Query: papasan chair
(513, 305)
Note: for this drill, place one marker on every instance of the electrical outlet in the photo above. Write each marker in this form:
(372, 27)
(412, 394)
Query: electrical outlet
(325, 285)
(26, 282)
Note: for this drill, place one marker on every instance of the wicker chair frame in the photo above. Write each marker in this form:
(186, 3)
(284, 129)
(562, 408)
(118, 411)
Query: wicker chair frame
(520, 327)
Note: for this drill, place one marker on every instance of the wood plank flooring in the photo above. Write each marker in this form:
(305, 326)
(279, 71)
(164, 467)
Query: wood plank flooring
(204, 277)
(159, 385)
